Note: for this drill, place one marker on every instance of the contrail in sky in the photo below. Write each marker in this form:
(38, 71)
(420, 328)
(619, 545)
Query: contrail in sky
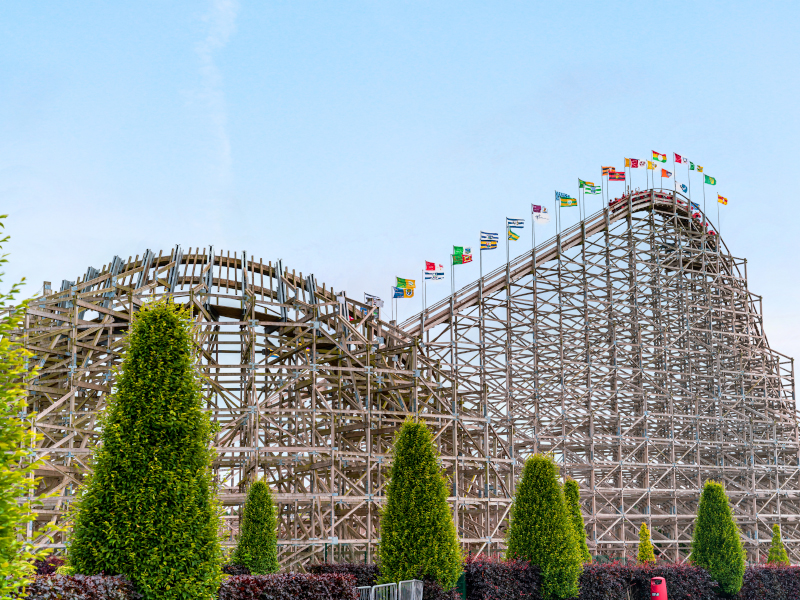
(221, 21)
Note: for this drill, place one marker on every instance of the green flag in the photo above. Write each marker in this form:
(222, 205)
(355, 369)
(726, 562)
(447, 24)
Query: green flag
(462, 255)
(406, 283)
(710, 180)
(691, 166)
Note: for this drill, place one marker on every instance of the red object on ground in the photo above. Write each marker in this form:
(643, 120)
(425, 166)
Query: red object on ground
(658, 588)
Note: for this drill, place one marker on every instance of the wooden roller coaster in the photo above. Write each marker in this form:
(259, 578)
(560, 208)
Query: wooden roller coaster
(628, 346)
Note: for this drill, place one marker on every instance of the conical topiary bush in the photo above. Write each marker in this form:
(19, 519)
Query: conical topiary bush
(149, 510)
(646, 553)
(418, 536)
(257, 548)
(777, 553)
(572, 495)
(541, 530)
(716, 545)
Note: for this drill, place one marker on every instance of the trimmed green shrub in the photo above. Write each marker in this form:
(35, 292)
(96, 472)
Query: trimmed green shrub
(646, 553)
(541, 530)
(149, 510)
(258, 539)
(716, 545)
(572, 495)
(777, 553)
(17, 460)
(418, 536)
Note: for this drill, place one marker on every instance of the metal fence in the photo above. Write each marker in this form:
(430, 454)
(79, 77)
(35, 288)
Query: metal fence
(410, 589)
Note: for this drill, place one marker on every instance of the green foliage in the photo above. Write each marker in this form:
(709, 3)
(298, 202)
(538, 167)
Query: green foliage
(646, 553)
(17, 458)
(777, 553)
(716, 545)
(149, 510)
(572, 495)
(418, 536)
(258, 539)
(541, 530)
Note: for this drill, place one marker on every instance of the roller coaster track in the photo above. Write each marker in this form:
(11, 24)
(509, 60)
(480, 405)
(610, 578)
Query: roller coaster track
(628, 346)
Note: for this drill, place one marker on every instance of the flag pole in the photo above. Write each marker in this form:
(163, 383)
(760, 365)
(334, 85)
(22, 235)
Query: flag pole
(508, 229)
(453, 274)
(674, 179)
(689, 179)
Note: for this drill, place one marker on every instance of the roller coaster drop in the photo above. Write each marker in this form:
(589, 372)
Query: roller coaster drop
(628, 346)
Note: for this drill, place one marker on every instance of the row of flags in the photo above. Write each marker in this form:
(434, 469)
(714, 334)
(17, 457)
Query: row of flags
(462, 255)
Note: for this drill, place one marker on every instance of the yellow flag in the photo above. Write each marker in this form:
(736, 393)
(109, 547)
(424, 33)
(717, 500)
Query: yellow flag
(651, 165)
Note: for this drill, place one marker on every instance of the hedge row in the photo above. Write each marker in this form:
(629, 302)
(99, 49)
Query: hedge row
(82, 587)
(491, 579)
(487, 579)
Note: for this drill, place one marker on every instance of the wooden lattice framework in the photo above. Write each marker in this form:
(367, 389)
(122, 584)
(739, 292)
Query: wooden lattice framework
(636, 355)
(630, 347)
(308, 388)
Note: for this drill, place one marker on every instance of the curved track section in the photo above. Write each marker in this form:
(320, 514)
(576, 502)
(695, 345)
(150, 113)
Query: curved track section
(308, 387)
(631, 348)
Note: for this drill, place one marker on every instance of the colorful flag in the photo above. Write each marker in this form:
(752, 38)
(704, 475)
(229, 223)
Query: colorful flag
(540, 214)
(634, 163)
(659, 157)
(398, 292)
(433, 271)
(722, 200)
(607, 170)
(562, 195)
(684, 189)
(371, 300)
(651, 165)
(462, 255)
(710, 180)
(617, 176)
(512, 236)
(695, 206)
(489, 240)
(406, 284)
(591, 189)
(408, 293)
(699, 169)
(515, 223)
(680, 159)
(565, 202)
(665, 173)
(584, 184)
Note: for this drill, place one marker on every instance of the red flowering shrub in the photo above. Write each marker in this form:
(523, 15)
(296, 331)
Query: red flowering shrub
(289, 586)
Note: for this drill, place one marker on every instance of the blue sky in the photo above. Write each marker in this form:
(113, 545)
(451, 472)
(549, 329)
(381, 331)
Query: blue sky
(357, 139)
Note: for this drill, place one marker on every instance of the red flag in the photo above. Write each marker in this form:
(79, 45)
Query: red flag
(616, 176)
(665, 173)
(429, 266)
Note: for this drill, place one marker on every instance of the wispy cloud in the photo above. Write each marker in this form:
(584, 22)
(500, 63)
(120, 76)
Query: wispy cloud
(221, 21)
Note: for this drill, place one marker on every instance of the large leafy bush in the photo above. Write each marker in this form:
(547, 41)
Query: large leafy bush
(572, 495)
(541, 530)
(716, 545)
(149, 511)
(418, 536)
(17, 440)
(257, 548)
